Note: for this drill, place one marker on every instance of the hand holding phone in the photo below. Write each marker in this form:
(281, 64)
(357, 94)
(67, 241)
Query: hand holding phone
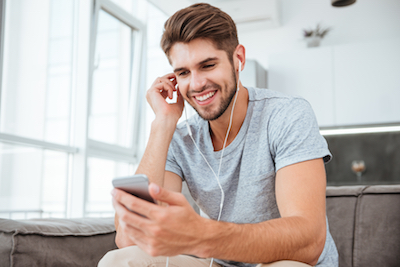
(137, 185)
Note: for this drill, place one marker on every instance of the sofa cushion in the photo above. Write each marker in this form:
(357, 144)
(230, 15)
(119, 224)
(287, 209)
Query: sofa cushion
(341, 203)
(377, 235)
(364, 222)
(55, 242)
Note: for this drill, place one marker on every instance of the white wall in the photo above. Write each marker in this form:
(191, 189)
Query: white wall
(364, 21)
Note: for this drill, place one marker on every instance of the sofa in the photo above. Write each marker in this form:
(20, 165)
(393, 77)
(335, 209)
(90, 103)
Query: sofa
(364, 222)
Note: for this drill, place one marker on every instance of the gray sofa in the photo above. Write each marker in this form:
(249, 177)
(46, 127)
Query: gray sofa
(55, 242)
(364, 222)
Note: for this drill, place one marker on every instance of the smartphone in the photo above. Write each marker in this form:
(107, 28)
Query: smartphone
(137, 185)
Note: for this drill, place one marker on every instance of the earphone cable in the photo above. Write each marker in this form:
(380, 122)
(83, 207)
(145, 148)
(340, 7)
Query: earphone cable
(222, 152)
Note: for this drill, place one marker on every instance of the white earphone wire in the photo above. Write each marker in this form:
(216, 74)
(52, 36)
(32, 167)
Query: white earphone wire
(222, 152)
(223, 147)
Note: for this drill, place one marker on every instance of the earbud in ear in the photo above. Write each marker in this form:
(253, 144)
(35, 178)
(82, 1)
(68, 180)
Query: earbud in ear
(240, 66)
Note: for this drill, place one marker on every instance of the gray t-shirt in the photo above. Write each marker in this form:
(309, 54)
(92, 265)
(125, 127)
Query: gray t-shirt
(279, 130)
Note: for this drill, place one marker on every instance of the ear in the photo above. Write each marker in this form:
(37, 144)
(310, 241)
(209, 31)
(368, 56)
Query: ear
(239, 56)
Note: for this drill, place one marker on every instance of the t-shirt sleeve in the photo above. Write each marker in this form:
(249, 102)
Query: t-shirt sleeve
(171, 163)
(294, 135)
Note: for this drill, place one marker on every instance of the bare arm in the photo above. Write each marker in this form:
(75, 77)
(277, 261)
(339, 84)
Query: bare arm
(177, 229)
(298, 235)
(162, 129)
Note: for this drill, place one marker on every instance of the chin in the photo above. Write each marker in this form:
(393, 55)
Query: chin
(209, 116)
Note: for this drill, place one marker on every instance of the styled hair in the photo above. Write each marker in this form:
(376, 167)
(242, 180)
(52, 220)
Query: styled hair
(201, 21)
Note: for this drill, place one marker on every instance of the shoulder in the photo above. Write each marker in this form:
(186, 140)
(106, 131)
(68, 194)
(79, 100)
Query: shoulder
(181, 134)
(276, 103)
(194, 122)
(262, 94)
(182, 144)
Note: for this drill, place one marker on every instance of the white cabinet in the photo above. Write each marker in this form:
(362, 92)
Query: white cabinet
(350, 84)
(367, 83)
(307, 73)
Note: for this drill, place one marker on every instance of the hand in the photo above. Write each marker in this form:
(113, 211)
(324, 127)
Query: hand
(167, 230)
(162, 88)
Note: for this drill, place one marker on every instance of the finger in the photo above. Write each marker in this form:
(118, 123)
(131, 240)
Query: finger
(130, 234)
(166, 196)
(166, 83)
(166, 88)
(170, 79)
(164, 94)
(163, 84)
(170, 76)
(127, 217)
(133, 203)
(171, 89)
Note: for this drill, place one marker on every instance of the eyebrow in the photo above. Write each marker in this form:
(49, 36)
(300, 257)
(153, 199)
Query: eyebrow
(200, 63)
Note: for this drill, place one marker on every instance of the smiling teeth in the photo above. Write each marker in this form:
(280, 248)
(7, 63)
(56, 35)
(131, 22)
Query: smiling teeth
(205, 97)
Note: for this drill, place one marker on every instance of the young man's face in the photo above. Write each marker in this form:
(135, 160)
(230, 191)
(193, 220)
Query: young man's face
(205, 76)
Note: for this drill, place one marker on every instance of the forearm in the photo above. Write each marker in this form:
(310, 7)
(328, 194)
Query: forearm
(292, 238)
(152, 164)
(155, 155)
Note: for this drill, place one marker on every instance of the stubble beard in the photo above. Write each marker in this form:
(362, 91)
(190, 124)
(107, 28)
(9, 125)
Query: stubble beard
(207, 114)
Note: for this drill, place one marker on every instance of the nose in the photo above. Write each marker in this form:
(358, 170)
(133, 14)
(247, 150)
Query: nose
(197, 81)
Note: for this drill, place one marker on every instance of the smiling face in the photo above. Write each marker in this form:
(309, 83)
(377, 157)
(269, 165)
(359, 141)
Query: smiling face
(205, 76)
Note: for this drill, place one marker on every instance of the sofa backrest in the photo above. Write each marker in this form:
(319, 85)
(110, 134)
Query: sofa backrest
(55, 242)
(365, 223)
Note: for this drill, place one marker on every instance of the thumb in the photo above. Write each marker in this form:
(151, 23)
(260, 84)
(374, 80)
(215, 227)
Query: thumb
(166, 196)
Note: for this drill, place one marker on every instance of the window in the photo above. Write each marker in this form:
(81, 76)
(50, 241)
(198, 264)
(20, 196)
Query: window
(71, 93)
(38, 185)
(37, 70)
(98, 202)
(109, 115)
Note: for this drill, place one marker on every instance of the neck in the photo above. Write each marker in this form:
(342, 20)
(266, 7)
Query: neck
(219, 127)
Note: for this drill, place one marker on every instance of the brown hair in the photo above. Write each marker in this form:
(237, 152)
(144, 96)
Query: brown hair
(201, 21)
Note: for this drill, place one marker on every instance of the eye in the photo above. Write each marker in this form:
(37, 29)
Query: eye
(183, 73)
(208, 66)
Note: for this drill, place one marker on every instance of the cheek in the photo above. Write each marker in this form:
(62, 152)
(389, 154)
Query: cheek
(222, 75)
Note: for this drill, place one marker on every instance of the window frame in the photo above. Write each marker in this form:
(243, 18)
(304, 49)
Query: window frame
(80, 146)
(102, 149)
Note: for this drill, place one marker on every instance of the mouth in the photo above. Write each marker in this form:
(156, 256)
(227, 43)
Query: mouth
(205, 97)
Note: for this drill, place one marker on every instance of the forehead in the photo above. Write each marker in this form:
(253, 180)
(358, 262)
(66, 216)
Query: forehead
(188, 54)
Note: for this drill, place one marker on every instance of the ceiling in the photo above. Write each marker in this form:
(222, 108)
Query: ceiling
(248, 14)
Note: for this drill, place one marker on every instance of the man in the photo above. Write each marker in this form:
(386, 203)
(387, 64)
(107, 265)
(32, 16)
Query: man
(252, 158)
